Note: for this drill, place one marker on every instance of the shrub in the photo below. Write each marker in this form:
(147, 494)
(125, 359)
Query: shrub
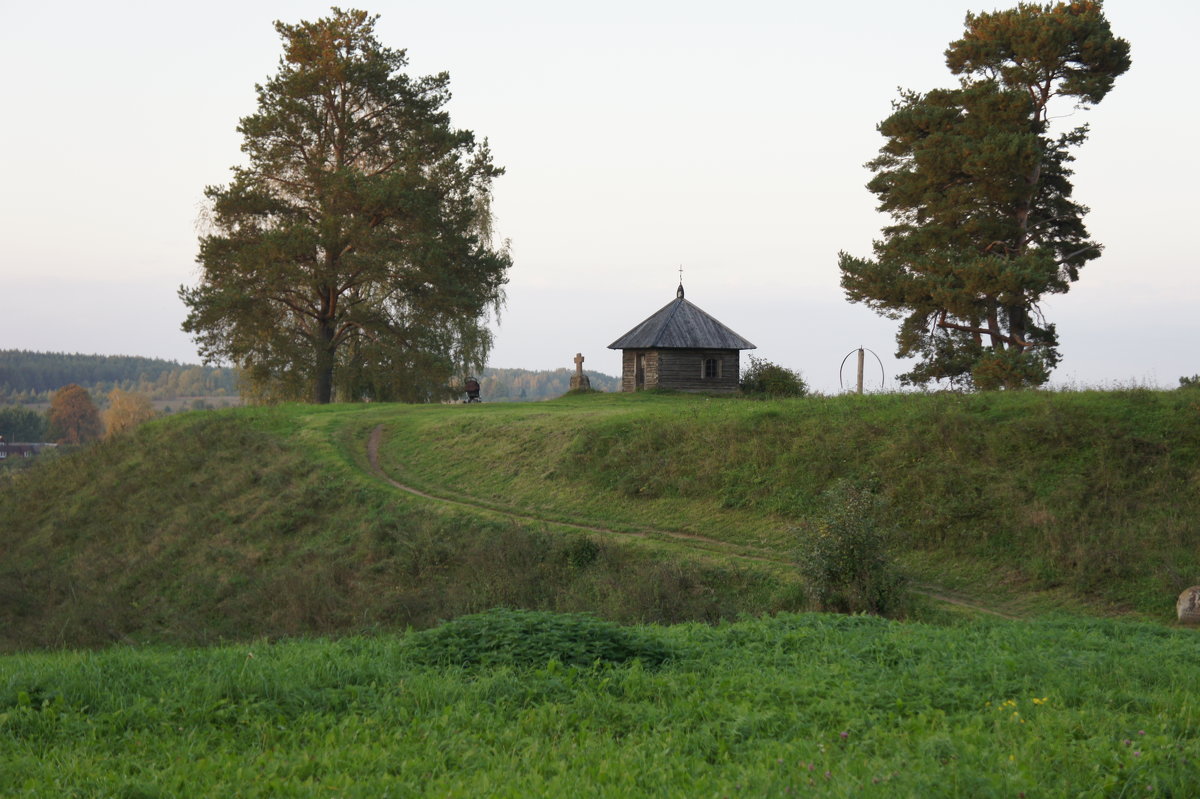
(766, 379)
(843, 555)
(1190, 382)
(532, 638)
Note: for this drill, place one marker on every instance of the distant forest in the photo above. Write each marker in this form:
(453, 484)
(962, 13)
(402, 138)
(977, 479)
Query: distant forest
(28, 378)
(32, 377)
(525, 385)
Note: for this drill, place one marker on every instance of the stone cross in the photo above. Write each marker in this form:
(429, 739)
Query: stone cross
(580, 381)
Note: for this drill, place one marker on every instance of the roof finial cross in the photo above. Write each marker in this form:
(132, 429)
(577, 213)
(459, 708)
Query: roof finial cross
(679, 293)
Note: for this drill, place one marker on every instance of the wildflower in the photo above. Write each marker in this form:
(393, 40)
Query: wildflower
(1141, 732)
(845, 734)
(1137, 753)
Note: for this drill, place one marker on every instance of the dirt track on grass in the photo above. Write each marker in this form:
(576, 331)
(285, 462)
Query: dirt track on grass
(712, 545)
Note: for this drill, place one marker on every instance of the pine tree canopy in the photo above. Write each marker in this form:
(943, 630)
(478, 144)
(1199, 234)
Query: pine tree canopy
(352, 255)
(979, 193)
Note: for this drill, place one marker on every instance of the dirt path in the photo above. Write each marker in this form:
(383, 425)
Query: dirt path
(733, 549)
(713, 544)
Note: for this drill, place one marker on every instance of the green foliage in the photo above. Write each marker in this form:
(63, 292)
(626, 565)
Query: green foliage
(22, 424)
(1190, 382)
(983, 220)
(765, 379)
(504, 637)
(844, 555)
(352, 255)
(808, 705)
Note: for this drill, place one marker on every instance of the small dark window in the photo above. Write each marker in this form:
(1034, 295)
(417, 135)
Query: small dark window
(711, 368)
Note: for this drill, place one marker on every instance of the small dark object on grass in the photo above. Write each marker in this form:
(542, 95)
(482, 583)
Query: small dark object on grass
(472, 389)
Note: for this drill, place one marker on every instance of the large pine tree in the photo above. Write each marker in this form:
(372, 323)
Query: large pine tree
(983, 220)
(351, 255)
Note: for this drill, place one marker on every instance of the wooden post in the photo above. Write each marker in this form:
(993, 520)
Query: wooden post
(861, 358)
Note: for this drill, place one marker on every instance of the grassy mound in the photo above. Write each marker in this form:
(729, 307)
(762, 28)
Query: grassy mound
(235, 524)
(504, 637)
(1089, 493)
(268, 521)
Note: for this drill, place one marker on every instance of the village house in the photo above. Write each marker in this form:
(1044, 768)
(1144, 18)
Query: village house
(15, 450)
(680, 347)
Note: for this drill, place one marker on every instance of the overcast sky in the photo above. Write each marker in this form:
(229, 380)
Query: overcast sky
(638, 137)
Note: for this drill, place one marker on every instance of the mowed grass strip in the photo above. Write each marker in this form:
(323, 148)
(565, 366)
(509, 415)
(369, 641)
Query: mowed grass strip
(806, 704)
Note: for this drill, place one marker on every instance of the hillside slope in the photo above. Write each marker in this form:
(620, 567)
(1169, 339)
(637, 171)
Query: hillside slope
(271, 521)
(1091, 495)
(252, 522)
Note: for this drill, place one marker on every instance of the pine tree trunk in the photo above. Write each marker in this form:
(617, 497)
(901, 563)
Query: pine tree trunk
(323, 372)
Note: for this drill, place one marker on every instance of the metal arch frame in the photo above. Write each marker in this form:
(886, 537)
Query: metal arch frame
(842, 368)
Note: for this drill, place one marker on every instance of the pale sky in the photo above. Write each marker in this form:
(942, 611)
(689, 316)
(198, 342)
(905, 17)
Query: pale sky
(638, 137)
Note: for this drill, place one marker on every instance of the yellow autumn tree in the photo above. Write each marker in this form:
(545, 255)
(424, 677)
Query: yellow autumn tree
(126, 410)
(73, 416)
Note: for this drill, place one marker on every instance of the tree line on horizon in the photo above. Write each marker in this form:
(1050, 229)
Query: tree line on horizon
(525, 385)
(74, 419)
(108, 390)
(28, 377)
(31, 378)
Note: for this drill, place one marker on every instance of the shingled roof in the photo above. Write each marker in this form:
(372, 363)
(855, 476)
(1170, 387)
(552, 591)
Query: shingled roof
(681, 325)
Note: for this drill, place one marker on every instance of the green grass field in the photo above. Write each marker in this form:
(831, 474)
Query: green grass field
(796, 705)
(217, 604)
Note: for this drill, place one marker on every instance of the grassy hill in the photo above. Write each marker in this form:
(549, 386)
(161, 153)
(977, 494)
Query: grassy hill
(1081, 495)
(265, 521)
(260, 527)
(272, 521)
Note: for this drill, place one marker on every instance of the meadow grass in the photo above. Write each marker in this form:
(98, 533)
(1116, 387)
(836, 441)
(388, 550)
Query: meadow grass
(808, 705)
(1088, 494)
(229, 525)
